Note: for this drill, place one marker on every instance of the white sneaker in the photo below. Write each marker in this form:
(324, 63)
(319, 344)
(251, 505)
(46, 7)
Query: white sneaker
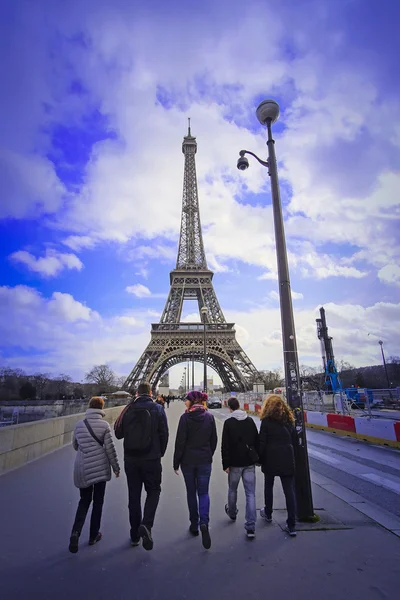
(291, 531)
(251, 534)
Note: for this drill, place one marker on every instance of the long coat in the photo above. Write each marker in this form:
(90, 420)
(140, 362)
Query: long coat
(93, 462)
(276, 448)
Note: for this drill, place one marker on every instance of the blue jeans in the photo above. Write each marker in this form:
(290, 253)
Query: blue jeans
(197, 480)
(248, 475)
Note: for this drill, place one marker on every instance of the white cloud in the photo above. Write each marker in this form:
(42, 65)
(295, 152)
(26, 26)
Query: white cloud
(27, 196)
(139, 290)
(128, 321)
(143, 272)
(193, 317)
(295, 295)
(390, 274)
(68, 309)
(332, 110)
(67, 336)
(273, 275)
(320, 265)
(320, 113)
(79, 242)
(215, 265)
(52, 264)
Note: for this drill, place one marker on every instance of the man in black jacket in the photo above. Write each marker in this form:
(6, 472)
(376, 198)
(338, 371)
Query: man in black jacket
(239, 456)
(144, 428)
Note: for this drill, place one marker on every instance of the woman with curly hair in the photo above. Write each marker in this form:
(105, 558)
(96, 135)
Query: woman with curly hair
(196, 441)
(277, 438)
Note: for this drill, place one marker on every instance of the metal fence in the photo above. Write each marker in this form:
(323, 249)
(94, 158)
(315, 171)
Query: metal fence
(382, 403)
(29, 411)
(12, 419)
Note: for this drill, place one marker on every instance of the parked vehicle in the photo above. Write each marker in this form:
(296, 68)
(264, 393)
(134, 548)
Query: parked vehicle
(214, 402)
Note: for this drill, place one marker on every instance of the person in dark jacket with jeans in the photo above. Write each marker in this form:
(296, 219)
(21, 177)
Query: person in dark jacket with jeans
(239, 456)
(144, 428)
(196, 441)
(277, 437)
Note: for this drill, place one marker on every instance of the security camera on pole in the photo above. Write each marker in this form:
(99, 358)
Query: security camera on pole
(268, 113)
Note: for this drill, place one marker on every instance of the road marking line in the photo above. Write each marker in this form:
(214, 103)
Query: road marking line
(323, 457)
(382, 481)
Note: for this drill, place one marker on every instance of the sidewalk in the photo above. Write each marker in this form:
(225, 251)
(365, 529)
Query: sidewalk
(360, 560)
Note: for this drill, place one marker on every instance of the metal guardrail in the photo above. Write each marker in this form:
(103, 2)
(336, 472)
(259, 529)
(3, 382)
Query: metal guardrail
(13, 420)
(382, 403)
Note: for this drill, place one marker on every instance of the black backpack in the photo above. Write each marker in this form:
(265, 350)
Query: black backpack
(138, 430)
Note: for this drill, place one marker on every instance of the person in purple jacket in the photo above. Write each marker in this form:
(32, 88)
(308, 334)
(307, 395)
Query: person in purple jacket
(196, 441)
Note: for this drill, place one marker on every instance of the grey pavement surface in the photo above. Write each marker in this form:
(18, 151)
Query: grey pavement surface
(37, 506)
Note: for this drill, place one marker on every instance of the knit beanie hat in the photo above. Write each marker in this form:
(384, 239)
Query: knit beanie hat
(196, 397)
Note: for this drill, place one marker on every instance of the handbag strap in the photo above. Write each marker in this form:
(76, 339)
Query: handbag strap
(92, 433)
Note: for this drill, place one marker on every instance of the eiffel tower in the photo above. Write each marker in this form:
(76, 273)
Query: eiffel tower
(173, 341)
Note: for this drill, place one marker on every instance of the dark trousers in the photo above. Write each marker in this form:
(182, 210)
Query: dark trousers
(139, 473)
(288, 490)
(197, 480)
(96, 493)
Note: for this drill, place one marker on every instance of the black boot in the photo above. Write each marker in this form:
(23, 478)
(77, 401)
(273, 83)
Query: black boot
(74, 542)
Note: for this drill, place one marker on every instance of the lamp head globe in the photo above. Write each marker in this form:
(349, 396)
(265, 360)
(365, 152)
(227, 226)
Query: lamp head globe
(267, 109)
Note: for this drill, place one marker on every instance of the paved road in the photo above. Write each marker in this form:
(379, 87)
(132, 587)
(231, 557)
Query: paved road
(37, 505)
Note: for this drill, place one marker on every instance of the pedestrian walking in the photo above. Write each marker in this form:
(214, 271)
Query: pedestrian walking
(95, 458)
(277, 437)
(144, 429)
(196, 441)
(239, 457)
(160, 400)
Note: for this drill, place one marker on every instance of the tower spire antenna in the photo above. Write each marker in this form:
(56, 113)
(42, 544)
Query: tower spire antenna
(189, 133)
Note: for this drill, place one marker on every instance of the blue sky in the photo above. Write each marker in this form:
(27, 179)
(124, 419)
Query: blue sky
(94, 106)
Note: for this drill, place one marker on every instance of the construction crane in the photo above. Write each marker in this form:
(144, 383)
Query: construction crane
(332, 381)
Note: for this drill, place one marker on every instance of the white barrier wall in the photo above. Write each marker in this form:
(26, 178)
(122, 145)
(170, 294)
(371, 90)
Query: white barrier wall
(316, 418)
(23, 443)
(378, 428)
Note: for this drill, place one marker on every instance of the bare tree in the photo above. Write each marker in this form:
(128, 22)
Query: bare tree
(271, 379)
(40, 381)
(311, 377)
(343, 365)
(11, 381)
(62, 385)
(102, 375)
(119, 381)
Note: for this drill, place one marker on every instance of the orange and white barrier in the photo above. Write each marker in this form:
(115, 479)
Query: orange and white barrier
(378, 431)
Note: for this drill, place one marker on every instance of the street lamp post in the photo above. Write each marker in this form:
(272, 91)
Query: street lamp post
(192, 345)
(203, 313)
(384, 363)
(268, 113)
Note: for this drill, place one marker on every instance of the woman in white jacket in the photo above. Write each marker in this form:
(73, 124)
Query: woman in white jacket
(95, 456)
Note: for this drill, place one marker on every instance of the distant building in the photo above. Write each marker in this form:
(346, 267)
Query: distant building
(163, 386)
(210, 385)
